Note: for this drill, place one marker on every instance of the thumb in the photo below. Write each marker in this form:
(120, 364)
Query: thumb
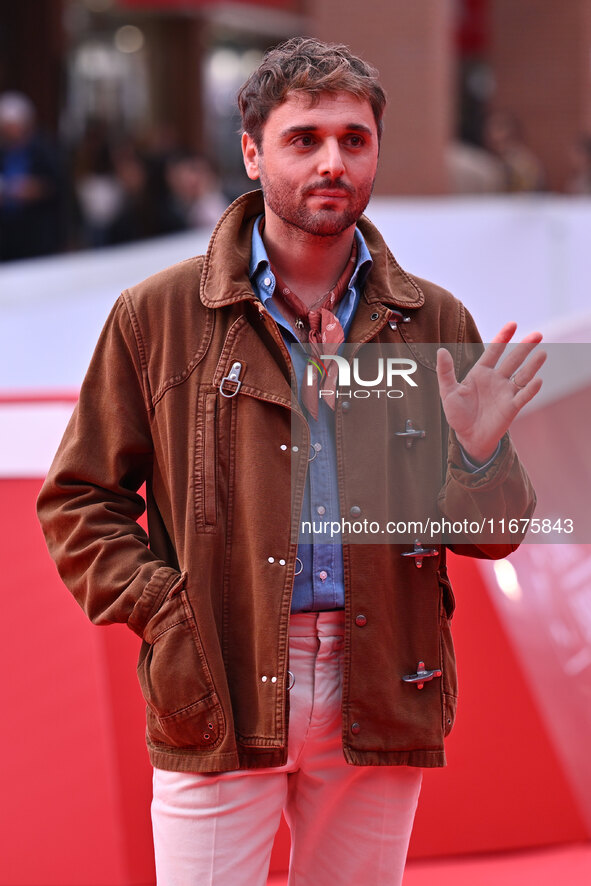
(446, 375)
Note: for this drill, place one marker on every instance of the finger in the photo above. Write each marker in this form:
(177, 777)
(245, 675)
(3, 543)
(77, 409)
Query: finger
(506, 333)
(525, 373)
(446, 375)
(533, 337)
(524, 395)
(519, 354)
(495, 349)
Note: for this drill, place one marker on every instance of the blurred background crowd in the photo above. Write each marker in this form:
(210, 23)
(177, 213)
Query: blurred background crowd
(118, 119)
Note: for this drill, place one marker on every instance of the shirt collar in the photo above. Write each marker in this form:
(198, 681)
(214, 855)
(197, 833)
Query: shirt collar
(259, 263)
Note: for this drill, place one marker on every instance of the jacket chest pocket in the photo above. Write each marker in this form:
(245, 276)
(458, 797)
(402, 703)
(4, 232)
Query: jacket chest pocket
(211, 458)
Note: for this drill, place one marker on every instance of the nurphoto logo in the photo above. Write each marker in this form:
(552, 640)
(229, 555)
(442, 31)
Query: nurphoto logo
(388, 370)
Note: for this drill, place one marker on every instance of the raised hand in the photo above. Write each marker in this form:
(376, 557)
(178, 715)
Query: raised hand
(482, 406)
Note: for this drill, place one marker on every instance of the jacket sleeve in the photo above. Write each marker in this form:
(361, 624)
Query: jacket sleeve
(489, 498)
(89, 504)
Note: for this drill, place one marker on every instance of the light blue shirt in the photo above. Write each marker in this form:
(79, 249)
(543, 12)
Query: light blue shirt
(320, 583)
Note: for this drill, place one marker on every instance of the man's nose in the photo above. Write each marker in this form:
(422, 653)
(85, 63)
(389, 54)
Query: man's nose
(331, 159)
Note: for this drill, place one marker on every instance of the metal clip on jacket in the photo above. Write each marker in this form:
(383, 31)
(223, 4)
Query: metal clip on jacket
(397, 317)
(419, 552)
(422, 676)
(410, 433)
(234, 377)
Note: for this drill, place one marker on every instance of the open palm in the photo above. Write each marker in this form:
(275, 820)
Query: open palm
(481, 407)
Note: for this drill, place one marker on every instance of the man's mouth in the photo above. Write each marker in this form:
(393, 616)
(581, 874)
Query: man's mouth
(331, 193)
(331, 190)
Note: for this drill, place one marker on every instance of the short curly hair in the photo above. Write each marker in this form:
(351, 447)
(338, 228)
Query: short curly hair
(310, 66)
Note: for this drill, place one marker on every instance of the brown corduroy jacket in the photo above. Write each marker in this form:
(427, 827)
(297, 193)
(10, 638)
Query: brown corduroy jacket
(209, 588)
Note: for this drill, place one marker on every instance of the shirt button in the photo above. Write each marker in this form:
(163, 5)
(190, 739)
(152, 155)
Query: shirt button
(321, 510)
(360, 621)
(267, 281)
(355, 511)
(355, 728)
(323, 575)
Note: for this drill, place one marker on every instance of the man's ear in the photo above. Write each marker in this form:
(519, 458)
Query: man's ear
(250, 154)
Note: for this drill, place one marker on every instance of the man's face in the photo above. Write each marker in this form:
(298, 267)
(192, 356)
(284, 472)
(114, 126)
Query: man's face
(317, 163)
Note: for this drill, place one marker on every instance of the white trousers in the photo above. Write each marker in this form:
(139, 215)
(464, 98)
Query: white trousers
(349, 824)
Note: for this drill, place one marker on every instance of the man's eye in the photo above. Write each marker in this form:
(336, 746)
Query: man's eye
(355, 141)
(304, 141)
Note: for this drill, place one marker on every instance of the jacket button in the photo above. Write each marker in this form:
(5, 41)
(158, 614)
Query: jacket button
(346, 406)
(360, 621)
(355, 728)
(355, 511)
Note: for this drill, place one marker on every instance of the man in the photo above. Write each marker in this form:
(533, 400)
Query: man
(318, 679)
(31, 221)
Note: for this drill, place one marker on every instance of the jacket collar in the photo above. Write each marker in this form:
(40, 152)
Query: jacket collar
(225, 271)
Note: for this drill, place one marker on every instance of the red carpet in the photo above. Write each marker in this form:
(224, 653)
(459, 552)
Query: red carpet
(565, 865)
(98, 784)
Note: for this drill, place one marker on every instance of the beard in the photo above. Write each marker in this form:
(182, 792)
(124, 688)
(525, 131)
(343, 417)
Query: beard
(292, 207)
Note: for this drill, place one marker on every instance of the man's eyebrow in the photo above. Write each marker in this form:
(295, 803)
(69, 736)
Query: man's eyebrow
(299, 128)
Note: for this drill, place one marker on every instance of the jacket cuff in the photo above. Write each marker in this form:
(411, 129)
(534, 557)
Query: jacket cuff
(492, 473)
(471, 467)
(163, 580)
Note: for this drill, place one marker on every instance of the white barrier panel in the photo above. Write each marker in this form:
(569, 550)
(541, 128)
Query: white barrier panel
(521, 258)
(29, 436)
(52, 310)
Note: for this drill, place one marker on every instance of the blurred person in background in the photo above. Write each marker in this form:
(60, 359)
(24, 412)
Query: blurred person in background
(137, 216)
(503, 137)
(98, 192)
(31, 184)
(473, 170)
(195, 197)
(122, 190)
(580, 163)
